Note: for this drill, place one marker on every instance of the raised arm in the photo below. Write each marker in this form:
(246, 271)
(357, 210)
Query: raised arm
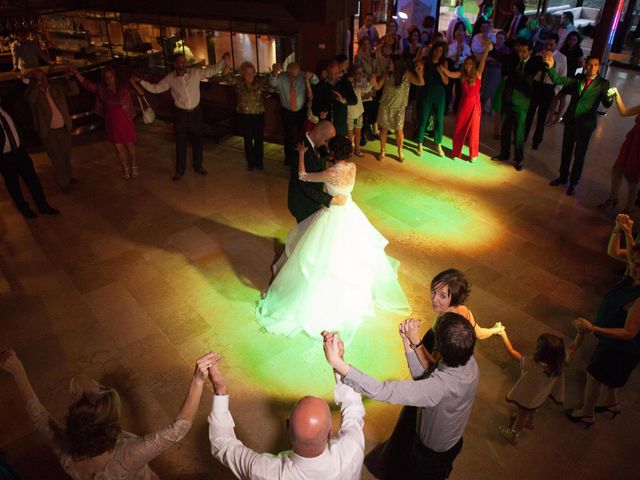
(623, 224)
(624, 111)
(140, 452)
(481, 332)
(162, 86)
(414, 349)
(488, 46)
(44, 423)
(446, 74)
(303, 175)
(553, 75)
(217, 68)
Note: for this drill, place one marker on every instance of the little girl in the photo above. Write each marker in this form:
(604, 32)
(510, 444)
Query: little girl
(541, 377)
(355, 113)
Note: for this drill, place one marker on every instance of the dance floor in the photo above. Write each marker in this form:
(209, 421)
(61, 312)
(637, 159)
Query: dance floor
(138, 278)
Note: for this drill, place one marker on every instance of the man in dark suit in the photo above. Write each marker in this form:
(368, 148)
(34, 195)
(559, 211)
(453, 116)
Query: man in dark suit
(331, 98)
(588, 90)
(517, 21)
(305, 198)
(520, 69)
(15, 163)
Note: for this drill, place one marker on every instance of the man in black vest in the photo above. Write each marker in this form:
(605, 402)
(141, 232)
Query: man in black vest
(588, 90)
(305, 198)
(331, 98)
(15, 163)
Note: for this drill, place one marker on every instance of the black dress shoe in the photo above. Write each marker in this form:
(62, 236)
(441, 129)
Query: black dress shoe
(558, 181)
(48, 210)
(28, 213)
(200, 170)
(518, 166)
(177, 177)
(498, 158)
(571, 191)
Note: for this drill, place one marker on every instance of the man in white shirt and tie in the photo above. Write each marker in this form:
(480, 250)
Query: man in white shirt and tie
(15, 163)
(544, 90)
(314, 456)
(184, 84)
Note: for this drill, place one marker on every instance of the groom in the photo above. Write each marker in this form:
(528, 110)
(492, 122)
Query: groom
(306, 198)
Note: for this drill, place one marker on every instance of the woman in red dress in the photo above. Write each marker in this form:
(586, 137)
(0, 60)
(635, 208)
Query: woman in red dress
(470, 110)
(114, 102)
(628, 163)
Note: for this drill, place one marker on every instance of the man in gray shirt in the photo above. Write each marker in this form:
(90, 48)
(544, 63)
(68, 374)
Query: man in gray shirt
(445, 396)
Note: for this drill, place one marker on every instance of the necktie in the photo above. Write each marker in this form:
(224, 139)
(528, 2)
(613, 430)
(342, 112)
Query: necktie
(512, 28)
(13, 144)
(586, 83)
(293, 103)
(520, 68)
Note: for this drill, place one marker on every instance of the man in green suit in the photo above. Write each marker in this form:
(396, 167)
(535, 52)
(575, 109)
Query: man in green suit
(587, 91)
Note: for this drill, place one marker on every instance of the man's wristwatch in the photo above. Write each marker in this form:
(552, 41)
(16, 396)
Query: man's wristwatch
(414, 345)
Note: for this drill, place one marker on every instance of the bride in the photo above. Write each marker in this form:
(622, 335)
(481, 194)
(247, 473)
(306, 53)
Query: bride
(334, 270)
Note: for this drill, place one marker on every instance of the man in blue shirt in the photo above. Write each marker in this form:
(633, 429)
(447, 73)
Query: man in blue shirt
(291, 87)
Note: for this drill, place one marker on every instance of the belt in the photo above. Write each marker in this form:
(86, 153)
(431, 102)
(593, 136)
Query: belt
(188, 109)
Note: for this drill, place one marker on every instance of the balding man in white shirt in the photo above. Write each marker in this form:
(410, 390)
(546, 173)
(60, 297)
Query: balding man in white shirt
(314, 456)
(184, 84)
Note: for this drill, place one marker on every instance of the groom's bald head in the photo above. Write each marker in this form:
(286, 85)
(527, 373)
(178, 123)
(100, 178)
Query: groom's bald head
(323, 132)
(310, 426)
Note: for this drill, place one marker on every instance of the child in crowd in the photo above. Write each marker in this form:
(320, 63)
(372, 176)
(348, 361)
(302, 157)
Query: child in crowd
(541, 377)
(355, 113)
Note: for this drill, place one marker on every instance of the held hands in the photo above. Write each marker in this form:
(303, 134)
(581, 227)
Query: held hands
(583, 325)
(498, 329)
(276, 68)
(10, 363)
(409, 330)
(624, 223)
(203, 364)
(334, 352)
(612, 92)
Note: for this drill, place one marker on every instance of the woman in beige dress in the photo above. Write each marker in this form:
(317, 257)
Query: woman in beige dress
(91, 445)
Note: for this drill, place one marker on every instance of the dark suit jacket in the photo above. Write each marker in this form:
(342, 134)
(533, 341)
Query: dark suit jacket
(583, 108)
(305, 198)
(521, 24)
(518, 86)
(325, 101)
(40, 109)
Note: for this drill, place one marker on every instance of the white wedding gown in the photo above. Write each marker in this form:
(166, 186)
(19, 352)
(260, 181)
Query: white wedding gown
(334, 270)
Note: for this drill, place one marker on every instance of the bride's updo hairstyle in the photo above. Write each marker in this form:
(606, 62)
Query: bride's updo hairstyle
(341, 148)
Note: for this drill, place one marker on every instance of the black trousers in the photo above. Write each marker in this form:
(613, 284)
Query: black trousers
(429, 464)
(513, 125)
(541, 101)
(251, 127)
(575, 141)
(370, 113)
(14, 166)
(293, 126)
(188, 125)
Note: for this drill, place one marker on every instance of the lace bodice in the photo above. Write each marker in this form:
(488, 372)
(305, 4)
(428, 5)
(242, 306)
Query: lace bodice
(342, 178)
(130, 455)
(338, 180)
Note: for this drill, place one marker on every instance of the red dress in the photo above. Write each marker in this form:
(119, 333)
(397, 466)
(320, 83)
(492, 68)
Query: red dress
(468, 121)
(629, 157)
(117, 109)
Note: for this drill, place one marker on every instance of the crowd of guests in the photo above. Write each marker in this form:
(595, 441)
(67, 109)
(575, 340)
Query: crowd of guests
(437, 401)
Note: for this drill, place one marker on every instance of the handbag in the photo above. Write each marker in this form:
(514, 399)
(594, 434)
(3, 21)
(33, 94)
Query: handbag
(148, 115)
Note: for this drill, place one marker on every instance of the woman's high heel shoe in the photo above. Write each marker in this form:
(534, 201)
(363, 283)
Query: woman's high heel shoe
(585, 420)
(608, 203)
(614, 410)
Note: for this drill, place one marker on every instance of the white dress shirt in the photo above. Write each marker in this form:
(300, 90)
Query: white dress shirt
(341, 460)
(6, 148)
(453, 50)
(560, 65)
(445, 397)
(185, 89)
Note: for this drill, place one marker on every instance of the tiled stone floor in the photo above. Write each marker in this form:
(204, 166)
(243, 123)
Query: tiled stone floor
(136, 279)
